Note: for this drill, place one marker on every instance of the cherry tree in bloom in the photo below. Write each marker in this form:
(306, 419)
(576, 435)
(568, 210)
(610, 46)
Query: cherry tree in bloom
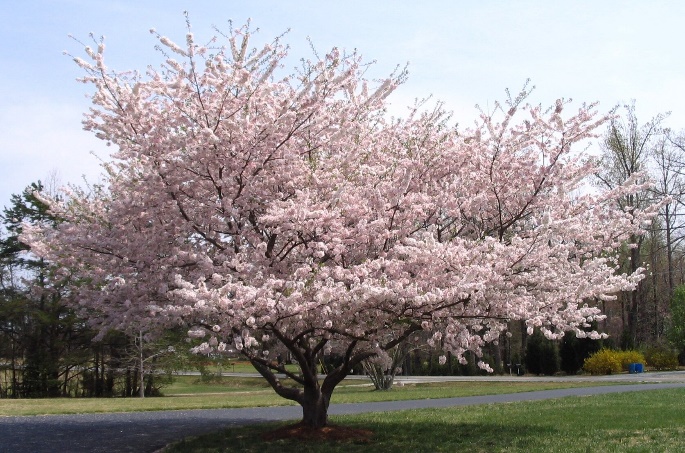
(266, 210)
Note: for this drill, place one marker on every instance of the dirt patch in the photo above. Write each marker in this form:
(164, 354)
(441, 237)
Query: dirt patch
(335, 433)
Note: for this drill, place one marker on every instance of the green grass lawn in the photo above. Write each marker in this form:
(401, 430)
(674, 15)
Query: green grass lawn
(189, 392)
(647, 421)
(192, 385)
(240, 366)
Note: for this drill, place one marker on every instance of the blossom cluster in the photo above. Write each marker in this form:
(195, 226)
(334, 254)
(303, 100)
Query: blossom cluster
(292, 211)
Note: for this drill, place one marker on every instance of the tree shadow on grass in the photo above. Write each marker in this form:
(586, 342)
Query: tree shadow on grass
(408, 436)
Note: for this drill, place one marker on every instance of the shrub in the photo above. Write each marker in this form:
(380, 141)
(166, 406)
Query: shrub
(607, 361)
(604, 361)
(628, 357)
(662, 359)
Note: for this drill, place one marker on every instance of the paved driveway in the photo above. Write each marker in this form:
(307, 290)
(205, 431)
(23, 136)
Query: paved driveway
(149, 431)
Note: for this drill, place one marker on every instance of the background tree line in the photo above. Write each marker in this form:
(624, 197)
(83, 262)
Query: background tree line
(647, 150)
(47, 347)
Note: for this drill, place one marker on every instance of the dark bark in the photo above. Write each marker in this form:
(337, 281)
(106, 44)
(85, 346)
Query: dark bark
(313, 396)
(669, 251)
(635, 296)
(314, 407)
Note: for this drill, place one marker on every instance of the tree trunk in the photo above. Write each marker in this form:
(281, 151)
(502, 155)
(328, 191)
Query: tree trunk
(141, 391)
(96, 383)
(66, 382)
(497, 355)
(655, 283)
(669, 253)
(635, 296)
(128, 390)
(314, 408)
(15, 381)
(314, 396)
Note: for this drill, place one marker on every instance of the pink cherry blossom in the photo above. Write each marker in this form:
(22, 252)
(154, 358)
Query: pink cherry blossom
(293, 209)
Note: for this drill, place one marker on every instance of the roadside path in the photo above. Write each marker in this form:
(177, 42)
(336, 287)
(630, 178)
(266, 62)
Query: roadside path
(150, 431)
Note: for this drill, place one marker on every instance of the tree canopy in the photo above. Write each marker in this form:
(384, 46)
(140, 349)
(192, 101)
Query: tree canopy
(291, 211)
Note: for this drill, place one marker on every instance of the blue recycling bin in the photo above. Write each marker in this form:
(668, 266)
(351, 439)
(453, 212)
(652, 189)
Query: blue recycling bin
(635, 368)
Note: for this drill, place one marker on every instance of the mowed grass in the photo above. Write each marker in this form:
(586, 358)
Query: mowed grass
(646, 421)
(189, 392)
(241, 366)
(193, 385)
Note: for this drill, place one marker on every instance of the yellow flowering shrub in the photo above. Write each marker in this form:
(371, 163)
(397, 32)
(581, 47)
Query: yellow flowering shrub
(608, 361)
(604, 361)
(628, 357)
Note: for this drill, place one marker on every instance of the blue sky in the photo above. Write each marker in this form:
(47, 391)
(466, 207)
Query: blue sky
(461, 52)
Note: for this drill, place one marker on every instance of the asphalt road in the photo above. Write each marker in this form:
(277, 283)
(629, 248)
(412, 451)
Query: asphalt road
(150, 431)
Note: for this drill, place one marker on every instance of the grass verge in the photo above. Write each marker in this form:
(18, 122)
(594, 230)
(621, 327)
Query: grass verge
(647, 421)
(251, 392)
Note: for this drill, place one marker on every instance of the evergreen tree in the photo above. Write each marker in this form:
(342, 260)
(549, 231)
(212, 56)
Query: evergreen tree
(38, 332)
(542, 355)
(676, 327)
